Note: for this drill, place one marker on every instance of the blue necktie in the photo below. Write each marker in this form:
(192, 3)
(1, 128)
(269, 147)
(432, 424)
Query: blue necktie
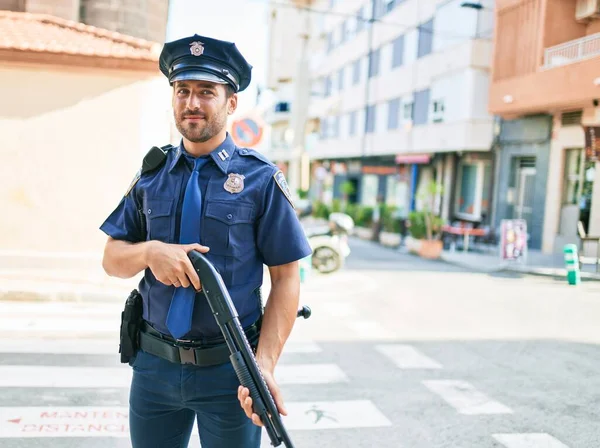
(179, 318)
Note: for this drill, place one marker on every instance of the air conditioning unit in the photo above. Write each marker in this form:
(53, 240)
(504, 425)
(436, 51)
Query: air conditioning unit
(587, 9)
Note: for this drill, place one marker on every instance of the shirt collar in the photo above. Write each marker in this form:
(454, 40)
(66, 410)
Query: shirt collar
(221, 155)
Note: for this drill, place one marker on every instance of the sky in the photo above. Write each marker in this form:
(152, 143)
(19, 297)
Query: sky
(243, 22)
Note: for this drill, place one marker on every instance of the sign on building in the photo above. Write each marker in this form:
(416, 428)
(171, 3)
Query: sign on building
(592, 142)
(513, 239)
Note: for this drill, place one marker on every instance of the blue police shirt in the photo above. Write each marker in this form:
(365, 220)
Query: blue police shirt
(244, 229)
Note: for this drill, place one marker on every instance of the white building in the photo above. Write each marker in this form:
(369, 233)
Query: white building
(417, 112)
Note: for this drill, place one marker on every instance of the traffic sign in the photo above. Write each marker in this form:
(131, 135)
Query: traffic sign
(246, 132)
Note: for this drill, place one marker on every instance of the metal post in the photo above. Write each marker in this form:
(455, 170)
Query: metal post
(572, 264)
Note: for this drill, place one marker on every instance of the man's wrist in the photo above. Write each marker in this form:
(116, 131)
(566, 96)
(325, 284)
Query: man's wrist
(148, 247)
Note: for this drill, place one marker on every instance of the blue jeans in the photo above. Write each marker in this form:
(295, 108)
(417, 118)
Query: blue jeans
(165, 399)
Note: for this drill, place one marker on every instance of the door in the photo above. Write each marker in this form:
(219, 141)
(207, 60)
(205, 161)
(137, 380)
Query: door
(525, 192)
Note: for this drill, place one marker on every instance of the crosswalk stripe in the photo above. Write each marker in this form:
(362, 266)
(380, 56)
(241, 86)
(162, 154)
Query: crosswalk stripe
(530, 440)
(106, 347)
(407, 357)
(100, 421)
(89, 324)
(465, 398)
(116, 377)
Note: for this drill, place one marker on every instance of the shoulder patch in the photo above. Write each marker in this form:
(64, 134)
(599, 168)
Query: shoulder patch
(134, 181)
(283, 186)
(255, 154)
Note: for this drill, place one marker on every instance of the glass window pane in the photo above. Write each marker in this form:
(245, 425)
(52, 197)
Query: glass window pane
(468, 185)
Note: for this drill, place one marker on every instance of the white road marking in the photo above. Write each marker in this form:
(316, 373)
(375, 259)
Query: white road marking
(309, 374)
(531, 440)
(100, 421)
(62, 324)
(407, 357)
(465, 398)
(120, 377)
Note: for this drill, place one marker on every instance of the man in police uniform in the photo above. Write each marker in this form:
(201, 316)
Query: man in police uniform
(246, 219)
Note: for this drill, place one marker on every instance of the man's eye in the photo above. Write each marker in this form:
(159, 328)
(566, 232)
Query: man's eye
(207, 92)
(181, 91)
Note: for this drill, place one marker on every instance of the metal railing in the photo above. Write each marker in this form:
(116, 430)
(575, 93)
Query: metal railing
(573, 51)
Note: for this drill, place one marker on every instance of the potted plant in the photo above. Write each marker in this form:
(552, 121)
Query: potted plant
(426, 226)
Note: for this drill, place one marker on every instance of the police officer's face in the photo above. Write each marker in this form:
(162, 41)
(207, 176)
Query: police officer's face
(201, 109)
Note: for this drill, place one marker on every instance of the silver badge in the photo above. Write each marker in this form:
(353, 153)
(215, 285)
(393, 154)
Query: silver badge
(197, 48)
(234, 183)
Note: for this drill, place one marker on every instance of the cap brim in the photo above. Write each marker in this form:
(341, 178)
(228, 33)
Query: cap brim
(197, 75)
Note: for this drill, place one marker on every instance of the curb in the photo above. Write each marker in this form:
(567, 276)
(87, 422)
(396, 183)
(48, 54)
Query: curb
(555, 273)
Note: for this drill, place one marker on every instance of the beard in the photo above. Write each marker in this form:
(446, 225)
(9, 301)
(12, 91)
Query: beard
(204, 130)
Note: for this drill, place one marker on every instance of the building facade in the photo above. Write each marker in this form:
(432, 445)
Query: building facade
(546, 87)
(143, 19)
(403, 102)
(80, 110)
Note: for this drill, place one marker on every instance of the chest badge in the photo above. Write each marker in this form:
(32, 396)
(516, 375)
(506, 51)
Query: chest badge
(234, 183)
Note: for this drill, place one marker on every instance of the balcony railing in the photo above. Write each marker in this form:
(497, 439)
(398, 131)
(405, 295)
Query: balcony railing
(573, 51)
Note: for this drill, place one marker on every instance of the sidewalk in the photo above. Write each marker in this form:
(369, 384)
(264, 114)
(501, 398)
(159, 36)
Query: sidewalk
(536, 263)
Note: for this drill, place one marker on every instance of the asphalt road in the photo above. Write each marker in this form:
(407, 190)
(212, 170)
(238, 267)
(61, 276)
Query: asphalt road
(400, 352)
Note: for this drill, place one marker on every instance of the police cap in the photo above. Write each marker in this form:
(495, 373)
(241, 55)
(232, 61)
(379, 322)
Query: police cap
(205, 59)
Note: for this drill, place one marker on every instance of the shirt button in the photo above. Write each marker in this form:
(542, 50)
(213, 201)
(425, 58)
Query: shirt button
(244, 151)
(149, 211)
(230, 216)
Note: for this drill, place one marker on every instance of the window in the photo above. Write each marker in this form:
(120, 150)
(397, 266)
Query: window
(282, 107)
(323, 128)
(437, 112)
(352, 123)
(356, 72)
(374, 58)
(425, 39)
(388, 5)
(408, 111)
(341, 79)
(393, 113)
(335, 126)
(370, 119)
(344, 32)
(329, 41)
(421, 109)
(327, 86)
(360, 20)
(474, 177)
(397, 51)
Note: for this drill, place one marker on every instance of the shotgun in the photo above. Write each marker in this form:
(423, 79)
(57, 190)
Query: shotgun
(242, 358)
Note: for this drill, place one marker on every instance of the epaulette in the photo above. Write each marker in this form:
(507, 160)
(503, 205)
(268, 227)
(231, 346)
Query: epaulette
(153, 159)
(255, 154)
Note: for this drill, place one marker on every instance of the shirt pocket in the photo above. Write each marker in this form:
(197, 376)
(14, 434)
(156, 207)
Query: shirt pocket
(159, 219)
(228, 227)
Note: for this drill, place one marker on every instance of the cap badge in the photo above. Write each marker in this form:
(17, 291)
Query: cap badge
(197, 48)
(234, 183)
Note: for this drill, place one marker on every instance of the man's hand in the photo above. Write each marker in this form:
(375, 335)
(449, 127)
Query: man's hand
(170, 263)
(246, 401)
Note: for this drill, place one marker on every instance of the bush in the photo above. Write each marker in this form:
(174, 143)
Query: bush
(390, 223)
(418, 225)
(320, 210)
(336, 206)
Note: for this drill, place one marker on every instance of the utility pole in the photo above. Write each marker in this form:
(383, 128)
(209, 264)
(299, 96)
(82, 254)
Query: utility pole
(297, 166)
(371, 24)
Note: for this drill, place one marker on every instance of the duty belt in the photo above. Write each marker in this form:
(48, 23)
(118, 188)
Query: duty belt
(212, 353)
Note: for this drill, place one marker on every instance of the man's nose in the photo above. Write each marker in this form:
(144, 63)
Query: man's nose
(193, 102)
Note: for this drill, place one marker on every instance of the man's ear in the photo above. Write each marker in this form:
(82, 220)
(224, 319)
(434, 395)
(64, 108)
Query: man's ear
(232, 104)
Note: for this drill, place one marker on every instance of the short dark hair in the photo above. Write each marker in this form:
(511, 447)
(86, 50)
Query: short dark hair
(229, 91)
